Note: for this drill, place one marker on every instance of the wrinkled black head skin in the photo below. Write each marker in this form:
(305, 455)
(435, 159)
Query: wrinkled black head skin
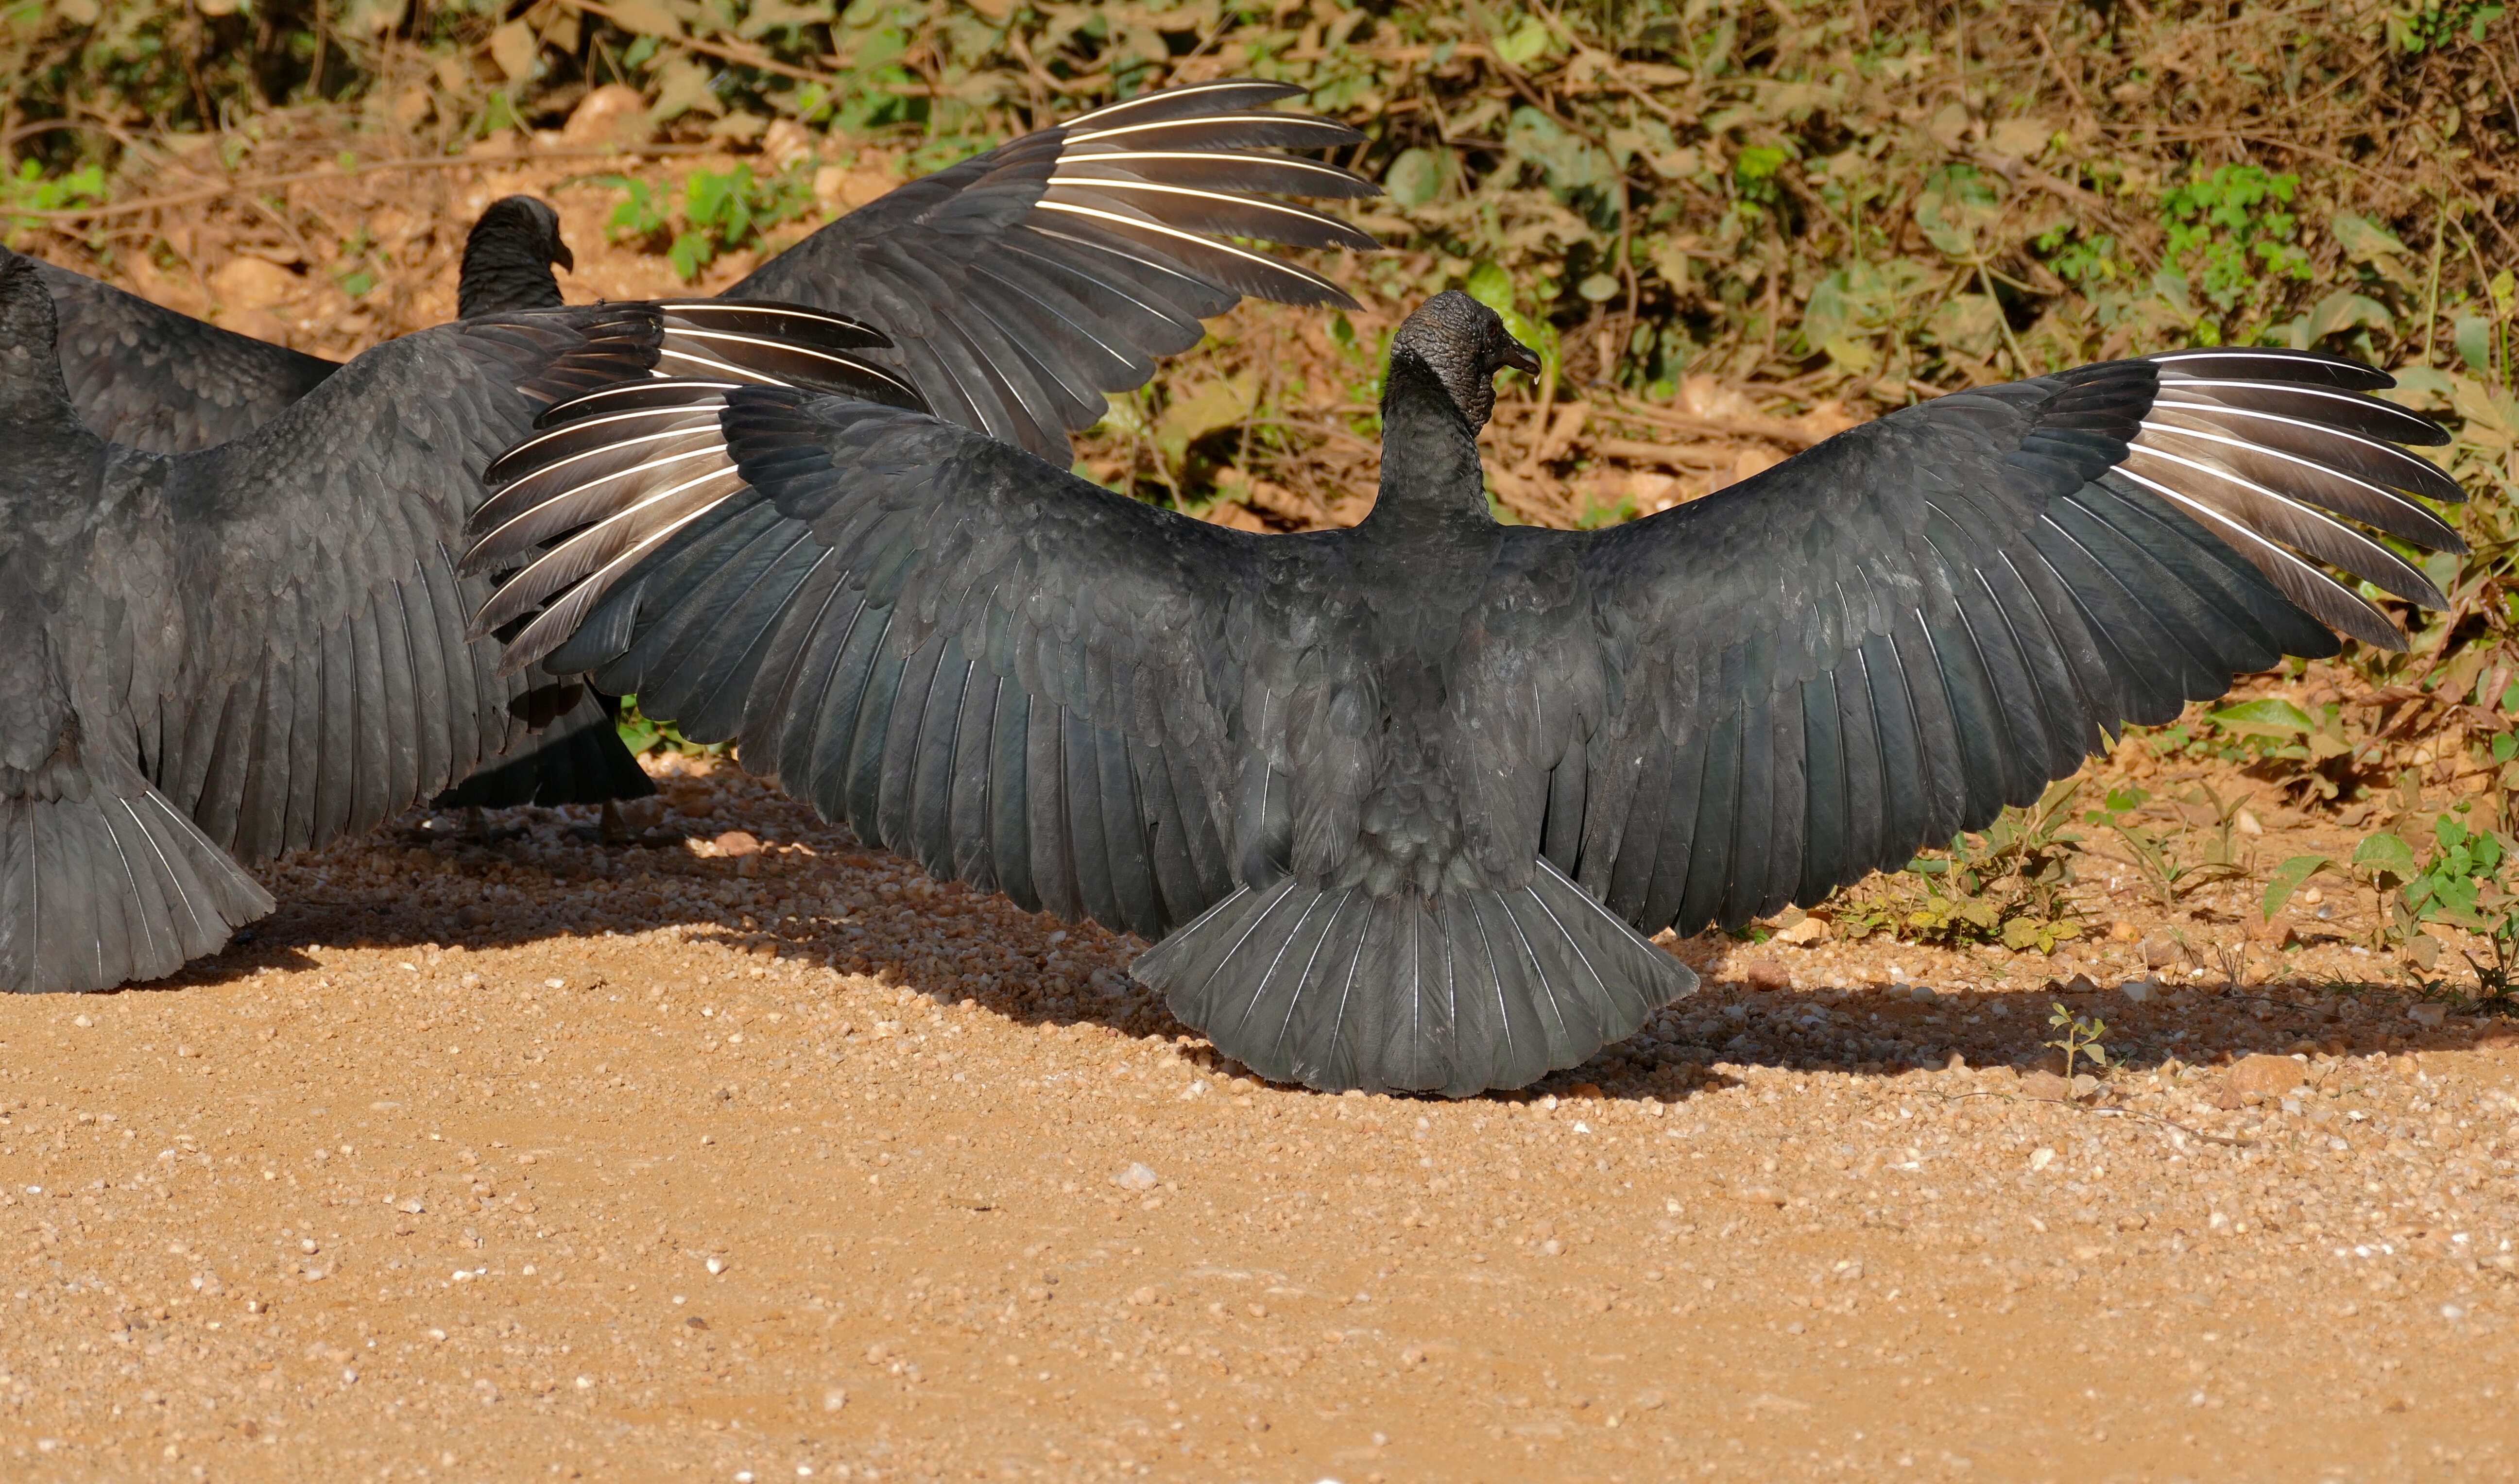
(507, 258)
(1464, 344)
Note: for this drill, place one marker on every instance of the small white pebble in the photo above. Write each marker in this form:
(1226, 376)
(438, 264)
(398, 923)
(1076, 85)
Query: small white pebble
(2041, 1158)
(554, 984)
(82, 1022)
(716, 1265)
(585, 1383)
(1138, 1177)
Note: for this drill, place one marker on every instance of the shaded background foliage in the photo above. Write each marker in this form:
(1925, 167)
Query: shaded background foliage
(1732, 225)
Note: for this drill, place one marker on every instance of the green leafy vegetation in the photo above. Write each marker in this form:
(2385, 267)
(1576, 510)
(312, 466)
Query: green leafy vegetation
(2009, 885)
(641, 734)
(30, 190)
(2233, 232)
(712, 215)
(2160, 857)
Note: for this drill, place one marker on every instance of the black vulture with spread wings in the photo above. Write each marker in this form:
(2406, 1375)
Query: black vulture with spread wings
(156, 379)
(159, 380)
(260, 647)
(1402, 805)
(1017, 287)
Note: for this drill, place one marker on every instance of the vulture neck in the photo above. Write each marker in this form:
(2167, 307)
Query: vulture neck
(504, 272)
(33, 397)
(1433, 485)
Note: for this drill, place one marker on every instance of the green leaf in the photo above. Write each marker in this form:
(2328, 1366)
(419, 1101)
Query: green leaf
(1967, 322)
(2269, 717)
(2385, 851)
(1490, 286)
(1528, 40)
(2473, 336)
(2287, 879)
(1190, 417)
(1568, 158)
(1415, 178)
(2345, 310)
(690, 254)
(2364, 239)
(1759, 162)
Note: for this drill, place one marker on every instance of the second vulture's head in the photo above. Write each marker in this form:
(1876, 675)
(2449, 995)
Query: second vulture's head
(1464, 343)
(507, 258)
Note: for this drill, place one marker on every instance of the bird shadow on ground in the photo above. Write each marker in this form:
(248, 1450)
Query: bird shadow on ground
(839, 907)
(1890, 1036)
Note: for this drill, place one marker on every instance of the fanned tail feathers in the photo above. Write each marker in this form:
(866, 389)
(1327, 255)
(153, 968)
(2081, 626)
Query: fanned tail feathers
(1454, 993)
(102, 885)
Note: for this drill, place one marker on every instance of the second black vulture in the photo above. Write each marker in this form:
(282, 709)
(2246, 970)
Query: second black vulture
(1400, 805)
(260, 647)
(157, 379)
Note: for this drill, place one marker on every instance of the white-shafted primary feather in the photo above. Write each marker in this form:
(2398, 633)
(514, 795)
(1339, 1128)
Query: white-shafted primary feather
(2261, 446)
(1024, 286)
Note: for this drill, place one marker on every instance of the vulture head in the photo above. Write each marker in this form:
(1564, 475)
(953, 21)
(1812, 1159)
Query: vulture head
(507, 258)
(1464, 344)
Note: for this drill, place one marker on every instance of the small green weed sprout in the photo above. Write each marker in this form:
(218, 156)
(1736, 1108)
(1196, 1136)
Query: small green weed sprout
(2080, 1038)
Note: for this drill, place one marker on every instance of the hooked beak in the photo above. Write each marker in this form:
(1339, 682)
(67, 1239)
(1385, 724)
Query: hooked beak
(1521, 357)
(561, 255)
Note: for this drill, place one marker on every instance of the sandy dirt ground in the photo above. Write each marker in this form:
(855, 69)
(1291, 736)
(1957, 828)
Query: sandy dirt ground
(748, 1155)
